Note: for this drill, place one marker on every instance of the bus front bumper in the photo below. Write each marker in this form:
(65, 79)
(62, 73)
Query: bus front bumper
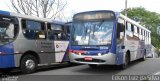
(105, 59)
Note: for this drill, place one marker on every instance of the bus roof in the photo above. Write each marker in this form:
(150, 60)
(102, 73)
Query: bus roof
(4, 12)
(133, 22)
(30, 17)
(94, 11)
(58, 22)
(37, 18)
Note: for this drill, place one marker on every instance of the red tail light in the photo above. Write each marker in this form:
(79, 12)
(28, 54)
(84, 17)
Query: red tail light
(77, 51)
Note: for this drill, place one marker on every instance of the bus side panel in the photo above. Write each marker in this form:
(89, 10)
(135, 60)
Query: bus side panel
(66, 56)
(135, 48)
(40, 47)
(7, 56)
(119, 54)
(61, 53)
(140, 50)
(17, 59)
(21, 46)
(120, 57)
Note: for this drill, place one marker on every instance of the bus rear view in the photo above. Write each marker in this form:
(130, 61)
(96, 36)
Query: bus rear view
(92, 37)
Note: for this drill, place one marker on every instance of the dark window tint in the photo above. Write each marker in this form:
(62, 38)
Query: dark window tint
(132, 28)
(8, 30)
(56, 32)
(120, 28)
(33, 29)
(137, 30)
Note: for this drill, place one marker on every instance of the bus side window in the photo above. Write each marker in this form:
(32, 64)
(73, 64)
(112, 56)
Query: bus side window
(33, 29)
(16, 30)
(60, 35)
(66, 32)
(51, 35)
(41, 33)
(120, 29)
(56, 32)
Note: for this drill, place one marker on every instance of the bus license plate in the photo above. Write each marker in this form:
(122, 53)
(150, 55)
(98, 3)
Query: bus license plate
(87, 58)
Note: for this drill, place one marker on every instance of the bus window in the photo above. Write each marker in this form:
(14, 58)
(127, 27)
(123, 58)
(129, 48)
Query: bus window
(132, 28)
(56, 32)
(130, 31)
(135, 29)
(8, 29)
(33, 29)
(67, 28)
(120, 29)
(142, 32)
(128, 26)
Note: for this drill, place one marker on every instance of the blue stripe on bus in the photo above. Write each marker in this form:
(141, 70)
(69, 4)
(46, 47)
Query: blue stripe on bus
(4, 12)
(66, 56)
(114, 37)
(7, 60)
(119, 54)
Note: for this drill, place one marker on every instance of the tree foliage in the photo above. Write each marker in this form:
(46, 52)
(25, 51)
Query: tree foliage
(148, 19)
(40, 8)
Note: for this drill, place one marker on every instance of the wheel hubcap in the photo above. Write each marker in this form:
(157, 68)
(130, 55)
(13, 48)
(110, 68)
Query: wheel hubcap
(30, 64)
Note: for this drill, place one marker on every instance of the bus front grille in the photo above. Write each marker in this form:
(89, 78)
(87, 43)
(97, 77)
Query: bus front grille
(93, 60)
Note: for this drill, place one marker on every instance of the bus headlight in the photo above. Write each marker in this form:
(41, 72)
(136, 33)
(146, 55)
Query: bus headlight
(99, 54)
(79, 54)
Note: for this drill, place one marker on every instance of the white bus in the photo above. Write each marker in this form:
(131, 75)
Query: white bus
(28, 42)
(107, 37)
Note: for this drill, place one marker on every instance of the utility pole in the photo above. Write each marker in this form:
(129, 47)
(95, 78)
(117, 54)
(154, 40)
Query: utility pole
(126, 8)
(125, 20)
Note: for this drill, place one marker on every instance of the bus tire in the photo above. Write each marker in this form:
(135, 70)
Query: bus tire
(93, 65)
(126, 62)
(28, 64)
(144, 56)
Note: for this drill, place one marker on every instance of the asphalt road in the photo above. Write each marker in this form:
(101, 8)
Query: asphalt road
(137, 70)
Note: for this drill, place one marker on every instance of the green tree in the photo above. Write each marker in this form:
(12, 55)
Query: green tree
(149, 20)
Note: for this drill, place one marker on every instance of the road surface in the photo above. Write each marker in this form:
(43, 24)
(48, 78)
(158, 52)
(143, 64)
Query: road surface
(136, 70)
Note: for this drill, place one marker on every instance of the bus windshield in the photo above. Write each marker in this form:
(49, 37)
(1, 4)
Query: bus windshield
(97, 32)
(7, 30)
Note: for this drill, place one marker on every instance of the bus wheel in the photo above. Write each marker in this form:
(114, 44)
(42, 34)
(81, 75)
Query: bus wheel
(125, 64)
(144, 56)
(28, 64)
(93, 65)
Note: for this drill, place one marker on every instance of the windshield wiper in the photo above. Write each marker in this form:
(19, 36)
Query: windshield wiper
(100, 24)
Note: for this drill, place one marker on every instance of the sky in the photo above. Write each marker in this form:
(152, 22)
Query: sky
(75, 6)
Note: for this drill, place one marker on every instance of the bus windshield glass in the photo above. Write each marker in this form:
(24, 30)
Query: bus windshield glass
(7, 29)
(92, 33)
(92, 28)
